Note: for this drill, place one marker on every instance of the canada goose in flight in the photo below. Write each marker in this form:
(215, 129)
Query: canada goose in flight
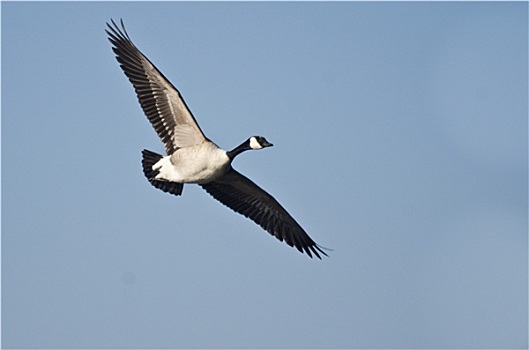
(192, 157)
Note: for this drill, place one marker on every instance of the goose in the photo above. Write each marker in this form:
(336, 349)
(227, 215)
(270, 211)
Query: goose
(192, 157)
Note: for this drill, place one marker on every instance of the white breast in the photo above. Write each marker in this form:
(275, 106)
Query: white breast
(201, 163)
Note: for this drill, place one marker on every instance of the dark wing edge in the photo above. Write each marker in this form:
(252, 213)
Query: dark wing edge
(243, 196)
(160, 100)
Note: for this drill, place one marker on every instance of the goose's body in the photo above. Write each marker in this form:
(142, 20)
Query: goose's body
(198, 164)
(193, 158)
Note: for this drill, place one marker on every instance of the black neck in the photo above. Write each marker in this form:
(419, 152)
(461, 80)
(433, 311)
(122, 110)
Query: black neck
(238, 150)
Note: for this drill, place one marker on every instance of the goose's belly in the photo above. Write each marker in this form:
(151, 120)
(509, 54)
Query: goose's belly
(196, 164)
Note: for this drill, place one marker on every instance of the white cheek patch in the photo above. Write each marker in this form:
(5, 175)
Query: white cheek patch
(254, 144)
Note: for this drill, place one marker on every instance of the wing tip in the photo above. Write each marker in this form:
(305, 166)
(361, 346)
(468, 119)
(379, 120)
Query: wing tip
(316, 249)
(115, 32)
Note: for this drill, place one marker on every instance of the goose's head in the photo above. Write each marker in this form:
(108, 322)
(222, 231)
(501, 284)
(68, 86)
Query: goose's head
(254, 142)
(258, 142)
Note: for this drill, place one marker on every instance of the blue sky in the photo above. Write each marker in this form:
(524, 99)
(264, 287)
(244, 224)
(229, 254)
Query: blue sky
(400, 141)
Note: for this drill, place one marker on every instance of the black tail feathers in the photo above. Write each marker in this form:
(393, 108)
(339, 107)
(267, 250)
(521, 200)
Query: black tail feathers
(148, 160)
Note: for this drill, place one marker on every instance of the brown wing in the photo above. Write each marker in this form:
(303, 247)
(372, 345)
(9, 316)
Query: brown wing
(160, 100)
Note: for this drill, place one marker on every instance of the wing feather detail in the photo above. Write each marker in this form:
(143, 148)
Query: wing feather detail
(160, 100)
(244, 197)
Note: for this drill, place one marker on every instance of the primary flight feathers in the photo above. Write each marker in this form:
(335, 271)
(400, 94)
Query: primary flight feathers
(192, 157)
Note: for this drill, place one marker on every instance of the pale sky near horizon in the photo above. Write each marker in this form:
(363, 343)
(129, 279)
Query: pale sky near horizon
(400, 141)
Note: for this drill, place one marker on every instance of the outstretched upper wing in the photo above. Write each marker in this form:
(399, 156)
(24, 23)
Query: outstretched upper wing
(243, 196)
(162, 103)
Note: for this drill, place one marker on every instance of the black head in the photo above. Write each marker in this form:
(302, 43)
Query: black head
(254, 142)
(258, 142)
